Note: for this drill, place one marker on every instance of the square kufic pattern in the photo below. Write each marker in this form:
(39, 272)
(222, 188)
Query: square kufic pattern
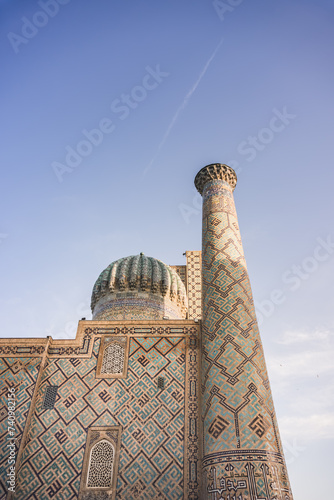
(194, 284)
(100, 466)
(158, 445)
(113, 357)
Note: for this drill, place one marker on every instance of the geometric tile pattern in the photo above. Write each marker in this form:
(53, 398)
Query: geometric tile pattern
(194, 284)
(20, 373)
(237, 405)
(159, 453)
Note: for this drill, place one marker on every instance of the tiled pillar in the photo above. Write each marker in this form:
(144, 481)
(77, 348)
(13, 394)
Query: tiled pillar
(194, 284)
(242, 452)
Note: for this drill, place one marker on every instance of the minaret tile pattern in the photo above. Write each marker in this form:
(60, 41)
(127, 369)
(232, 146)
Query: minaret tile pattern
(242, 452)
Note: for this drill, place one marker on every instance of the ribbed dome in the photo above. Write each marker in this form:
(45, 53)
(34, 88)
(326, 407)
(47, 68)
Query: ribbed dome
(139, 276)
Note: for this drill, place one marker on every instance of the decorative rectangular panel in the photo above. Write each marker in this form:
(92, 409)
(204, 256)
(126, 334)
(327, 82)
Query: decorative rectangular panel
(50, 397)
(161, 382)
(100, 465)
(113, 357)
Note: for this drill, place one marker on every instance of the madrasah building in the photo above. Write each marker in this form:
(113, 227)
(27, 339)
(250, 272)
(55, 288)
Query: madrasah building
(164, 394)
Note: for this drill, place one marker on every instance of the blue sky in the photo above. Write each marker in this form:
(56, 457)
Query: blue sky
(148, 93)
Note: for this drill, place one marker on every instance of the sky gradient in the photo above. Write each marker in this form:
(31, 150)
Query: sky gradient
(109, 110)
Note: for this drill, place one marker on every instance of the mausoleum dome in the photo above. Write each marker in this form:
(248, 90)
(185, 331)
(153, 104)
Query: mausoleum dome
(138, 287)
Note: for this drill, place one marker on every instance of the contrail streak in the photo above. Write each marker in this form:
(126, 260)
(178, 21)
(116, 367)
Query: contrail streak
(183, 105)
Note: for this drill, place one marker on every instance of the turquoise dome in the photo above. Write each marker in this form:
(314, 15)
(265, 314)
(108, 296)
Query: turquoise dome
(135, 279)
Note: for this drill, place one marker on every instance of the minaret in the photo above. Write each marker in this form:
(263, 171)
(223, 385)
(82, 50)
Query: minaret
(242, 451)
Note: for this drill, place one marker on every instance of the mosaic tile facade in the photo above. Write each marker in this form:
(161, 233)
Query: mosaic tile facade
(159, 452)
(179, 408)
(242, 455)
(20, 373)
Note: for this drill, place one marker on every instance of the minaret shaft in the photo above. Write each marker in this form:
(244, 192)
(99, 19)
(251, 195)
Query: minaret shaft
(241, 441)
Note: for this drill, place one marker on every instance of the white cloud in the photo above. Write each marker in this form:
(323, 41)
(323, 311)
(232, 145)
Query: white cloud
(302, 374)
(308, 428)
(292, 337)
(303, 354)
(306, 363)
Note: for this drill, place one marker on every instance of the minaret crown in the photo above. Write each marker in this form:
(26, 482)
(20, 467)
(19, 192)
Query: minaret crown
(215, 171)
